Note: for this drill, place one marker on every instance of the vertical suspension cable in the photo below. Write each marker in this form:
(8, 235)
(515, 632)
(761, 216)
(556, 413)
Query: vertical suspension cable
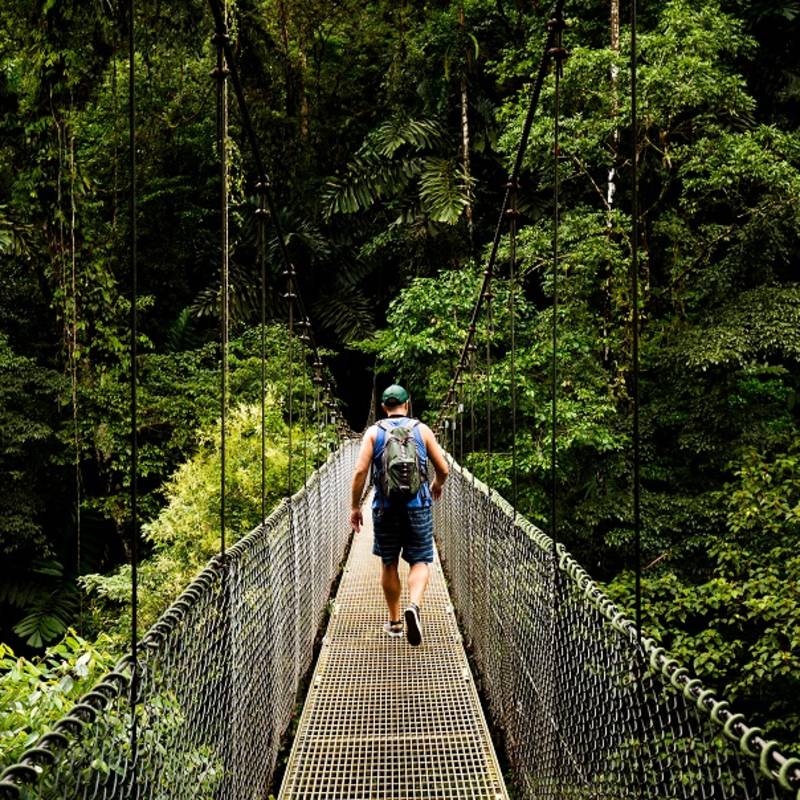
(472, 420)
(557, 53)
(489, 297)
(455, 427)
(635, 301)
(513, 213)
(73, 355)
(318, 411)
(134, 322)
(329, 419)
(261, 235)
(637, 519)
(461, 422)
(221, 75)
(290, 297)
(305, 339)
(453, 422)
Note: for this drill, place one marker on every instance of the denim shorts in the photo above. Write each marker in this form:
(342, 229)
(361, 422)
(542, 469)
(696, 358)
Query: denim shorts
(403, 530)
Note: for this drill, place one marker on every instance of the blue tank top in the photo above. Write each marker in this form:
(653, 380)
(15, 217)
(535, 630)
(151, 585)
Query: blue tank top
(423, 498)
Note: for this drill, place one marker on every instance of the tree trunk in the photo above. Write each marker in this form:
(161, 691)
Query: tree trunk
(614, 101)
(612, 172)
(465, 128)
(287, 60)
(304, 110)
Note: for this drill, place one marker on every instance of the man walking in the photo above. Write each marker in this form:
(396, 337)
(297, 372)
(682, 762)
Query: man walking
(401, 515)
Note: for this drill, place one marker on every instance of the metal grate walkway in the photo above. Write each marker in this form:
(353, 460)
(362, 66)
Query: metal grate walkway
(383, 720)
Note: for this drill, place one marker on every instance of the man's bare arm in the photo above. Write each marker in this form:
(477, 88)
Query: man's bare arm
(360, 478)
(436, 457)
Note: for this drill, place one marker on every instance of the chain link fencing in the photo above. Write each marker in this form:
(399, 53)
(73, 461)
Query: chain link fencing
(583, 709)
(218, 673)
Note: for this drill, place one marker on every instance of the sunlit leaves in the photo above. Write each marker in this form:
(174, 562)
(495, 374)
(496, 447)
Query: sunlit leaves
(35, 693)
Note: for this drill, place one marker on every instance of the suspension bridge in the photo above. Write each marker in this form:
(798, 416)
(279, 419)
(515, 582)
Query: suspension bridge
(582, 702)
(586, 708)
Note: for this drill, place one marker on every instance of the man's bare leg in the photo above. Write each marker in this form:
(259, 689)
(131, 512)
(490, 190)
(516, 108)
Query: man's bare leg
(418, 582)
(390, 581)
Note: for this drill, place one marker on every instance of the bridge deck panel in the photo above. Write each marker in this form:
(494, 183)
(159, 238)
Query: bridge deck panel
(383, 720)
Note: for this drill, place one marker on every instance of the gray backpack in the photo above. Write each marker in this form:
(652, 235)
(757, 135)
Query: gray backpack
(401, 475)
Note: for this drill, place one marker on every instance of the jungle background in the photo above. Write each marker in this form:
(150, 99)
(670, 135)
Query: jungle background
(389, 129)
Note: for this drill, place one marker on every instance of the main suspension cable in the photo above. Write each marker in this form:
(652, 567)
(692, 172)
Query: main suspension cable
(263, 177)
(556, 12)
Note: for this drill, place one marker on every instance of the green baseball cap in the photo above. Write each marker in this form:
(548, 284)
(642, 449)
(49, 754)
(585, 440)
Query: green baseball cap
(394, 396)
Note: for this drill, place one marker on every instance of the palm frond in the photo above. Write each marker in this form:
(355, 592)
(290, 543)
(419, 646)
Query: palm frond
(348, 313)
(418, 134)
(386, 162)
(49, 605)
(368, 179)
(444, 190)
(245, 297)
(49, 618)
(182, 334)
(300, 231)
(14, 236)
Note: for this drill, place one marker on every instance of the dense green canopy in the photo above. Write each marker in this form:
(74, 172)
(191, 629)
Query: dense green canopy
(388, 129)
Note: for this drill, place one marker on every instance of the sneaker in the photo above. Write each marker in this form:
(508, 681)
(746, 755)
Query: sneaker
(413, 625)
(393, 628)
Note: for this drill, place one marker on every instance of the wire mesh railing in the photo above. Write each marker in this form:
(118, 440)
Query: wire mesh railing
(218, 672)
(586, 712)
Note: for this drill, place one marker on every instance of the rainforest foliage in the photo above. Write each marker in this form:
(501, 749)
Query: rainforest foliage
(389, 129)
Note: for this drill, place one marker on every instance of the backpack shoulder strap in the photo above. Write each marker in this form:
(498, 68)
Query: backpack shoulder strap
(417, 433)
(380, 435)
